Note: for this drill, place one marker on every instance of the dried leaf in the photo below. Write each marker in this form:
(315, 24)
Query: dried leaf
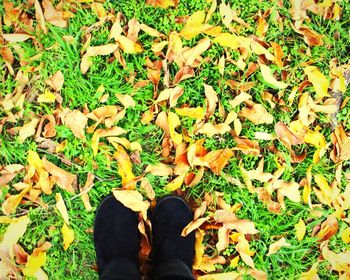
(124, 165)
(10, 204)
(84, 191)
(16, 37)
(221, 276)
(328, 228)
(28, 130)
(53, 16)
(211, 100)
(345, 235)
(176, 183)
(56, 81)
(174, 121)
(77, 122)
(61, 177)
(46, 97)
(311, 274)
(286, 135)
(257, 114)
(127, 45)
(196, 113)
(40, 16)
(269, 78)
(210, 129)
(13, 233)
(150, 31)
(227, 40)
(133, 200)
(68, 236)
(243, 249)
(274, 247)
(318, 80)
(300, 230)
(217, 160)
(223, 236)
(61, 207)
(162, 3)
(193, 54)
(159, 169)
(147, 187)
(36, 260)
(126, 100)
(184, 73)
(193, 226)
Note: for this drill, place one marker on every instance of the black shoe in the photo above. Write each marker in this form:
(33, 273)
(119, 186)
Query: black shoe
(117, 241)
(172, 254)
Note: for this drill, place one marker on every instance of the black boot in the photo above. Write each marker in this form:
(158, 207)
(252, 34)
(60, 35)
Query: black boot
(117, 241)
(172, 253)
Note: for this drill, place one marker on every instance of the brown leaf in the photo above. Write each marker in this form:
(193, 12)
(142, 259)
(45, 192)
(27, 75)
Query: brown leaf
(159, 169)
(210, 129)
(84, 191)
(162, 3)
(10, 204)
(311, 37)
(184, 73)
(278, 52)
(16, 37)
(40, 16)
(27, 130)
(193, 226)
(21, 255)
(147, 187)
(223, 236)
(190, 56)
(76, 121)
(217, 160)
(56, 81)
(257, 114)
(62, 178)
(53, 16)
(145, 247)
(274, 247)
(328, 228)
(286, 135)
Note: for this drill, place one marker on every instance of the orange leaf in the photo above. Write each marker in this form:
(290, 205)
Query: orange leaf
(77, 122)
(217, 159)
(193, 226)
(328, 228)
(210, 129)
(174, 121)
(243, 249)
(124, 165)
(10, 204)
(56, 81)
(211, 100)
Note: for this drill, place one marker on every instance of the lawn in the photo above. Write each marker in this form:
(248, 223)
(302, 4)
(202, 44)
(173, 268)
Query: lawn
(241, 107)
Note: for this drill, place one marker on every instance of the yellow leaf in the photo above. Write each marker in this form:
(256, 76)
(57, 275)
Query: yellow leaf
(133, 200)
(345, 235)
(10, 204)
(68, 236)
(259, 49)
(274, 247)
(61, 207)
(124, 165)
(188, 32)
(46, 97)
(210, 129)
(315, 138)
(176, 183)
(193, 226)
(127, 45)
(221, 65)
(196, 113)
(27, 130)
(269, 78)
(300, 230)
(190, 56)
(223, 238)
(34, 263)
(257, 114)
(157, 47)
(126, 100)
(174, 121)
(211, 10)
(310, 274)
(324, 194)
(34, 160)
(159, 169)
(221, 276)
(234, 261)
(318, 80)
(101, 50)
(227, 40)
(243, 249)
(13, 233)
(150, 31)
(196, 19)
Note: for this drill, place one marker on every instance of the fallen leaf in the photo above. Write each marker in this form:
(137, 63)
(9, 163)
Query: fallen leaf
(56, 81)
(223, 238)
(16, 37)
(46, 97)
(13, 233)
(324, 193)
(274, 247)
(221, 276)
(227, 40)
(217, 160)
(196, 113)
(147, 187)
(36, 260)
(150, 31)
(243, 226)
(162, 3)
(240, 98)
(126, 100)
(124, 165)
(300, 230)
(318, 80)
(288, 137)
(345, 235)
(257, 114)
(53, 16)
(28, 130)
(211, 100)
(176, 183)
(262, 27)
(84, 191)
(243, 249)
(328, 228)
(21, 255)
(174, 121)
(127, 45)
(269, 78)
(278, 53)
(159, 169)
(40, 16)
(311, 274)
(193, 226)
(68, 236)
(95, 51)
(61, 207)
(10, 204)
(339, 262)
(184, 73)
(61, 177)
(191, 55)
(210, 129)
(133, 200)
(77, 122)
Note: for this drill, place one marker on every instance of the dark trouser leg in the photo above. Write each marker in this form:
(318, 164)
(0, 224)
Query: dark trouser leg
(172, 270)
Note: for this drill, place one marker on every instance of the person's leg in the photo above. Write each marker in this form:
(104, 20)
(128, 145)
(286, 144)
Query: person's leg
(172, 253)
(117, 241)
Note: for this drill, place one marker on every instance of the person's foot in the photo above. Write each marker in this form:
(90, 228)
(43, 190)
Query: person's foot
(172, 253)
(117, 240)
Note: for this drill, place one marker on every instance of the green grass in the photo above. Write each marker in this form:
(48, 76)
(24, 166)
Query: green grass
(80, 90)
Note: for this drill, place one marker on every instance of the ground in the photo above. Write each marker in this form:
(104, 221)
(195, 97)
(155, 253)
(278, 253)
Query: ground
(304, 120)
